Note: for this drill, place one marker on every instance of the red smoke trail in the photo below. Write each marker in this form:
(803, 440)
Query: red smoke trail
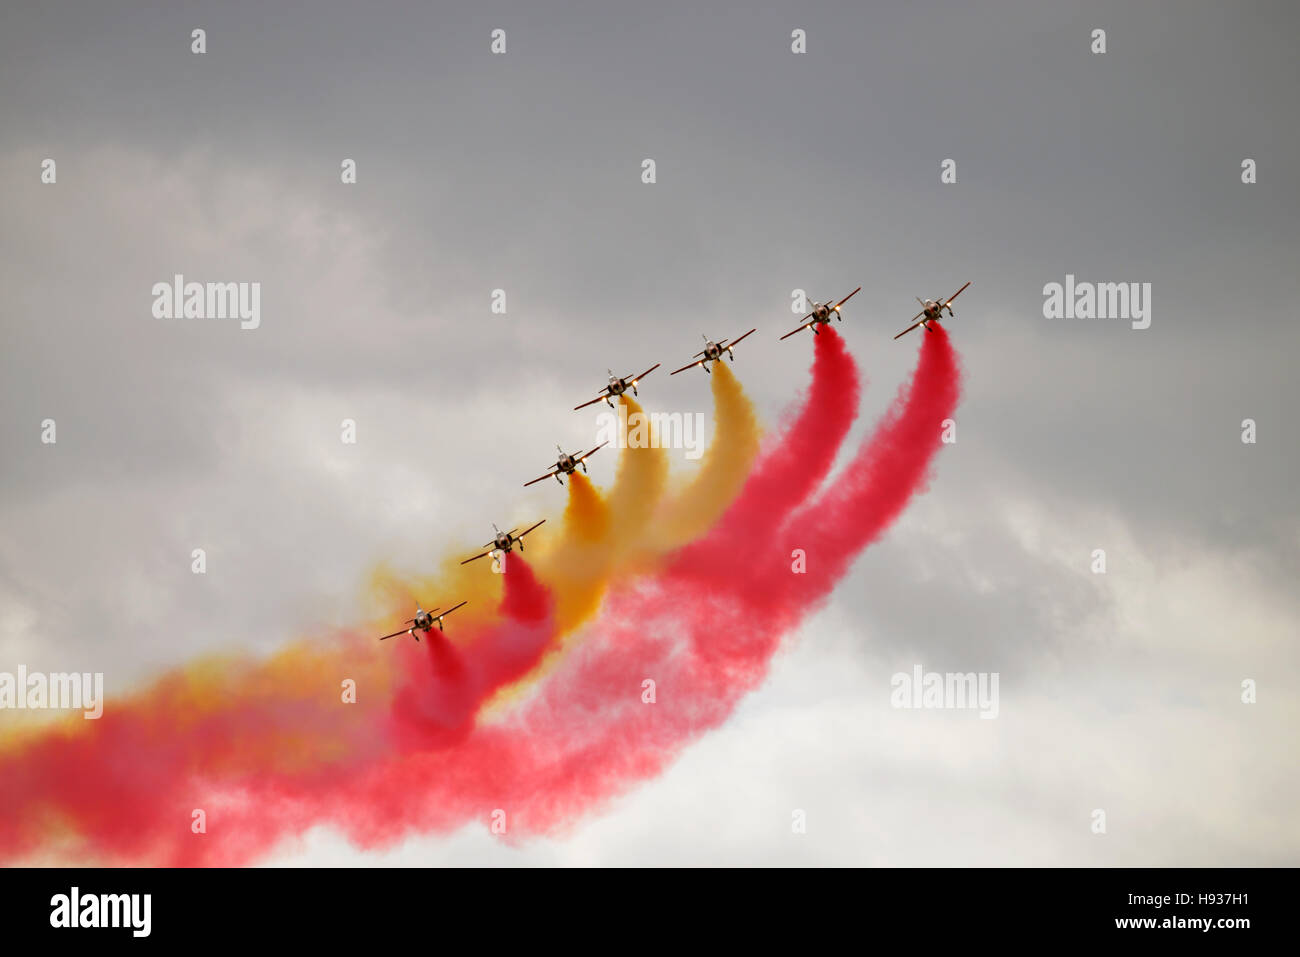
(892, 466)
(794, 466)
(447, 684)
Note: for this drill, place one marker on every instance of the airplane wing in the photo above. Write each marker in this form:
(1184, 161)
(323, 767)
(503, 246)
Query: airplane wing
(477, 557)
(527, 530)
(684, 368)
(395, 634)
(909, 329)
(793, 331)
(542, 479)
(848, 297)
(737, 342)
(452, 608)
(957, 293)
(593, 451)
(599, 398)
(647, 371)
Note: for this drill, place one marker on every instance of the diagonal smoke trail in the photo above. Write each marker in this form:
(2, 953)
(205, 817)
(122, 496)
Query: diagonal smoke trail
(723, 473)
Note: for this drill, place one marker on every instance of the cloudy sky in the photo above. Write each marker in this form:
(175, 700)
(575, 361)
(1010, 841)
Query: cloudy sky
(775, 172)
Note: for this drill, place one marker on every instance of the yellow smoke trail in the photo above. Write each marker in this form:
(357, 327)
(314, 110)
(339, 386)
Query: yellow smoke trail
(577, 567)
(641, 478)
(587, 515)
(599, 531)
(726, 464)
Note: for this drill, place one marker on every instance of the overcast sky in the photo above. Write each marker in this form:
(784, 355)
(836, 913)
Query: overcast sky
(775, 171)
